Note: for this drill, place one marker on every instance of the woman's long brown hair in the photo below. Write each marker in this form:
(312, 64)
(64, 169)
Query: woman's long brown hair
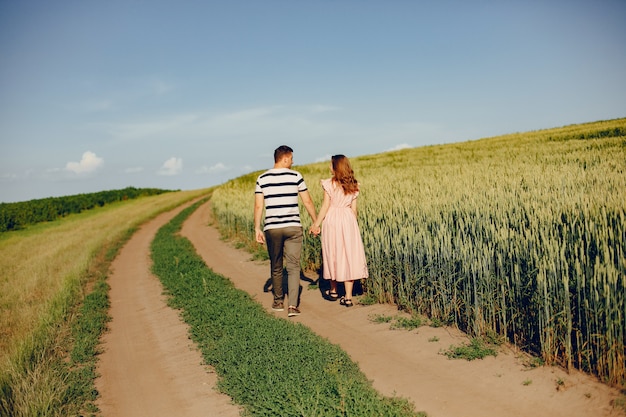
(343, 174)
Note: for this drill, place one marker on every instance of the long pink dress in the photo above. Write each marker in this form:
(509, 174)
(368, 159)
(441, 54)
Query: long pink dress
(342, 246)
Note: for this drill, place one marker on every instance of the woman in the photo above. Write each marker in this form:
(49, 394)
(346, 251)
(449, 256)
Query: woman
(342, 247)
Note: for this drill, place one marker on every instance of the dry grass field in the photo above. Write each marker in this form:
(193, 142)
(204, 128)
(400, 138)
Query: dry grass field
(43, 268)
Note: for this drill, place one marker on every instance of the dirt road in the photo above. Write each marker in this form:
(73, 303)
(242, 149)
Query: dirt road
(149, 366)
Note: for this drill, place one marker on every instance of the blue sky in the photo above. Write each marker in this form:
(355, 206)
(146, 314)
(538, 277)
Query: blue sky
(188, 94)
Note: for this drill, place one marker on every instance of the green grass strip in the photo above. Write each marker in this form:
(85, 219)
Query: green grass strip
(268, 365)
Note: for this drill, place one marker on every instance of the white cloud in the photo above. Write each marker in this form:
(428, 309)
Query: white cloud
(89, 163)
(172, 166)
(7, 177)
(324, 158)
(399, 147)
(277, 121)
(150, 129)
(219, 167)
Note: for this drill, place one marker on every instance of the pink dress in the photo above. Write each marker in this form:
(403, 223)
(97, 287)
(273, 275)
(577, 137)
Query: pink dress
(342, 247)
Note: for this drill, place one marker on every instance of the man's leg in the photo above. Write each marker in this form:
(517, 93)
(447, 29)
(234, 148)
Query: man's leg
(293, 248)
(274, 239)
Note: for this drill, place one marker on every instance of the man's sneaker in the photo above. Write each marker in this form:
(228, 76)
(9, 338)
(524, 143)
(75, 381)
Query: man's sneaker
(277, 305)
(293, 311)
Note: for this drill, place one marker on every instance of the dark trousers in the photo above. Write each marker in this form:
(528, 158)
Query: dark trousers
(285, 242)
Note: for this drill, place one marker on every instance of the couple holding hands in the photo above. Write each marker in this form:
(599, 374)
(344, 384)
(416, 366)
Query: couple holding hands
(343, 254)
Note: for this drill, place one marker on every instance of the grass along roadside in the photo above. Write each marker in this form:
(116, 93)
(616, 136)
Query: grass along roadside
(53, 304)
(268, 365)
(475, 348)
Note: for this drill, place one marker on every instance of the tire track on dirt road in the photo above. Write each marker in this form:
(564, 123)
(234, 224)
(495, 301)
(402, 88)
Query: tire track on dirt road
(149, 366)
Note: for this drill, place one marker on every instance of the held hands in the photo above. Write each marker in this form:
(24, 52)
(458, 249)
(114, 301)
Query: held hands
(315, 230)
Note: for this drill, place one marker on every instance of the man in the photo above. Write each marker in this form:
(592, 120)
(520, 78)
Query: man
(277, 191)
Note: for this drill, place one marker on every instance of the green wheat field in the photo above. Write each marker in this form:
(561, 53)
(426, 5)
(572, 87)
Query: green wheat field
(521, 236)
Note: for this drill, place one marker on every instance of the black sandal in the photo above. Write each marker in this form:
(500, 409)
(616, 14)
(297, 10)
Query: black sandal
(331, 295)
(346, 302)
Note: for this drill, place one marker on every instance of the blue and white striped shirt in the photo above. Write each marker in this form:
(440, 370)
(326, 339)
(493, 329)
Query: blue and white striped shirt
(280, 188)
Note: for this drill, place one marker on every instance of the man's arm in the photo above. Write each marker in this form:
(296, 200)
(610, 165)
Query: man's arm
(258, 213)
(308, 204)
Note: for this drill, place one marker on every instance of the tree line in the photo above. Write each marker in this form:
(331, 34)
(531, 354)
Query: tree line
(14, 216)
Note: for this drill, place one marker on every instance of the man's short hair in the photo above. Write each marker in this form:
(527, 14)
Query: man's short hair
(281, 151)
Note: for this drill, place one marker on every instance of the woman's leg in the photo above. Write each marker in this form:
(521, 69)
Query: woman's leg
(346, 300)
(349, 286)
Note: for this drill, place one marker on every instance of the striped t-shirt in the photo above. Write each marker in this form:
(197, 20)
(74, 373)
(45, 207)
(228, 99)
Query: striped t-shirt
(280, 188)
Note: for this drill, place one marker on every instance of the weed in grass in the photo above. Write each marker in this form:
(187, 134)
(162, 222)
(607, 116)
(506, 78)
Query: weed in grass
(476, 349)
(260, 254)
(398, 322)
(534, 362)
(560, 383)
(620, 402)
(438, 322)
(405, 323)
(380, 318)
(493, 338)
(90, 324)
(368, 300)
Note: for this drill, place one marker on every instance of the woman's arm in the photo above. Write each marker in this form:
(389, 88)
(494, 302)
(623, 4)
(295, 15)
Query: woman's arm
(315, 228)
(353, 207)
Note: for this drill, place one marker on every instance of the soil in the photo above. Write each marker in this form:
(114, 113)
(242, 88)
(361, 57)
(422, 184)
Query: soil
(149, 366)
